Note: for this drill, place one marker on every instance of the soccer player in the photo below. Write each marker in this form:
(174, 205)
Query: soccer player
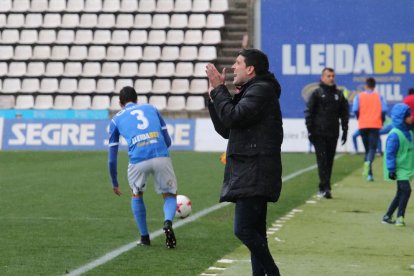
(148, 141)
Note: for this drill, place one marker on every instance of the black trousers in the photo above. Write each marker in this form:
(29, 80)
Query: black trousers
(325, 149)
(401, 198)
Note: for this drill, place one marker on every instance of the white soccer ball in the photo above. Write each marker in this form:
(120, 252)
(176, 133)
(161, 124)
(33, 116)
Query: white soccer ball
(183, 206)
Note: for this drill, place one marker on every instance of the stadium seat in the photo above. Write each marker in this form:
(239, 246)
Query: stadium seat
(198, 86)
(175, 37)
(2, 20)
(47, 36)
(110, 69)
(142, 99)
(35, 69)
(4, 68)
(6, 52)
(91, 69)
(184, 69)
(15, 20)
(62, 102)
(120, 37)
(160, 21)
(143, 86)
(34, 20)
(129, 6)
(142, 21)
(101, 37)
(179, 21)
(164, 6)
(88, 20)
(41, 52)
(114, 105)
(43, 102)
(195, 103)
(147, 6)
(11, 85)
(30, 85)
(182, 6)
(161, 86)
(188, 53)
(22, 52)
(159, 102)
(176, 103)
(193, 37)
(196, 21)
(165, 69)
(170, 53)
(73, 69)
(115, 53)
(7, 101)
(21, 6)
(86, 86)
(215, 21)
(96, 53)
(138, 37)
(39, 6)
(65, 36)
(111, 5)
(200, 69)
(93, 6)
(83, 37)
(78, 53)
(81, 102)
(219, 6)
(105, 86)
(70, 20)
(60, 52)
(147, 69)
(106, 21)
(207, 53)
(201, 6)
(68, 86)
(24, 102)
(156, 37)
(54, 69)
(121, 83)
(6, 5)
(128, 69)
(17, 69)
(28, 36)
(51, 20)
(125, 21)
(100, 102)
(74, 6)
(179, 86)
(151, 53)
(49, 85)
(57, 5)
(10, 36)
(133, 53)
(211, 37)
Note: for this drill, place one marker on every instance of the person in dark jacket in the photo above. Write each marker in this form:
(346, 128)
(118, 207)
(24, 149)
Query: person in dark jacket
(326, 106)
(251, 120)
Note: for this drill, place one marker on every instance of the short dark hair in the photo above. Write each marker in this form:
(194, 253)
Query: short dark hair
(257, 59)
(370, 82)
(329, 69)
(411, 91)
(127, 94)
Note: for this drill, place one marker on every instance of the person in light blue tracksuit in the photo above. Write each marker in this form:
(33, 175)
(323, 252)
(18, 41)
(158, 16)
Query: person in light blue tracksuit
(399, 161)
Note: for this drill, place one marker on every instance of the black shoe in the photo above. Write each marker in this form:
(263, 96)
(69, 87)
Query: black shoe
(327, 195)
(170, 240)
(145, 241)
(388, 220)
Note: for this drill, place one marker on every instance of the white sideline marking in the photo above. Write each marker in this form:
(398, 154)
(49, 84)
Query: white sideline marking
(115, 253)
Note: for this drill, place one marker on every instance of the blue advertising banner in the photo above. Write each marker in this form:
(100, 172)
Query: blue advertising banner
(21, 134)
(359, 39)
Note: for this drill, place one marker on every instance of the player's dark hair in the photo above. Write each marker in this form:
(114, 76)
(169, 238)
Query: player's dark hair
(257, 59)
(329, 69)
(370, 82)
(410, 91)
(127, 94)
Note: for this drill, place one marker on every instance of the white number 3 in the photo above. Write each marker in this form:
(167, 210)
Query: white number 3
(141, 117)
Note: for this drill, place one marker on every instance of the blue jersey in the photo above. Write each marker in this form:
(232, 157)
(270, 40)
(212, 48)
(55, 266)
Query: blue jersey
(144, 130)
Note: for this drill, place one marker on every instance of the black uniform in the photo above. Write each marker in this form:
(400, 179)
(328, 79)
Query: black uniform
(325, 107)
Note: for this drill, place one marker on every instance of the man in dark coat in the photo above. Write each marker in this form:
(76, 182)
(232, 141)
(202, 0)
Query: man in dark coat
(326, 106)
(252, 122)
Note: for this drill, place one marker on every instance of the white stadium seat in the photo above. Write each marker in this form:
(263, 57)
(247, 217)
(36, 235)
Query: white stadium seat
(211, 37)
(188, 53)
(184, 69)
(21, 5)
(43, 102)
(68, 86)
(142, 99)
(6, 52)
(147, 69)
(41, 52)
(101, 37)
(62, 102)
(129, 5)
(143, 86)
(74, 5)
(6, 5)
(51, 20)
(178, 21)
(115, 53)
(96, 53)
(17, 69)
(125, 21)
(179, 86)
(176, 103)
(201, 5)
(156, 37)
(100, 102)
(120, 37)
(65, 37)
(110, 69)
(7, 101)
(57, 5)
(207, 53)
(193, 37)
(133, 53)
(106, 21)
(114, 103)
(30, 85)
(70, 20)
(22, 52)
(47, 36)
(165, 69)
(15, 20)
(78, 53)
(93, 6)
(142, 21)
(24, 102)
(164, 6)
(198, 86)
(73, 69)
(121, 83)
(28, 37)
(161, 86)
(105, 86)
(160, 21)
(195, 103)
(200, 69)
(86, 86)
(35, 69)
(10, 36)
(219, 6)
(160, 102)
(88, 20)
(183, 6)
(196, 21)
(11, 85)
(60, 52)
(111, 5)
(151, 53)
(138, 37)
(170, 53)
(128, 69)
(91, 69)
(54, 69)
(4, 68)
(175, 37)
(39, 6)
(83, 37)
(215, 20)
(49, 85)
(147, 6)
(81, 102)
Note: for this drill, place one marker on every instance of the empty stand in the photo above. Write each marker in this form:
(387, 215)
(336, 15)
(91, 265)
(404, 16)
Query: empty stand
(100, 102)
(24, 102)
(63, 102)
(43, 102)
(81, 102)
(195, 103)
(176, 103)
